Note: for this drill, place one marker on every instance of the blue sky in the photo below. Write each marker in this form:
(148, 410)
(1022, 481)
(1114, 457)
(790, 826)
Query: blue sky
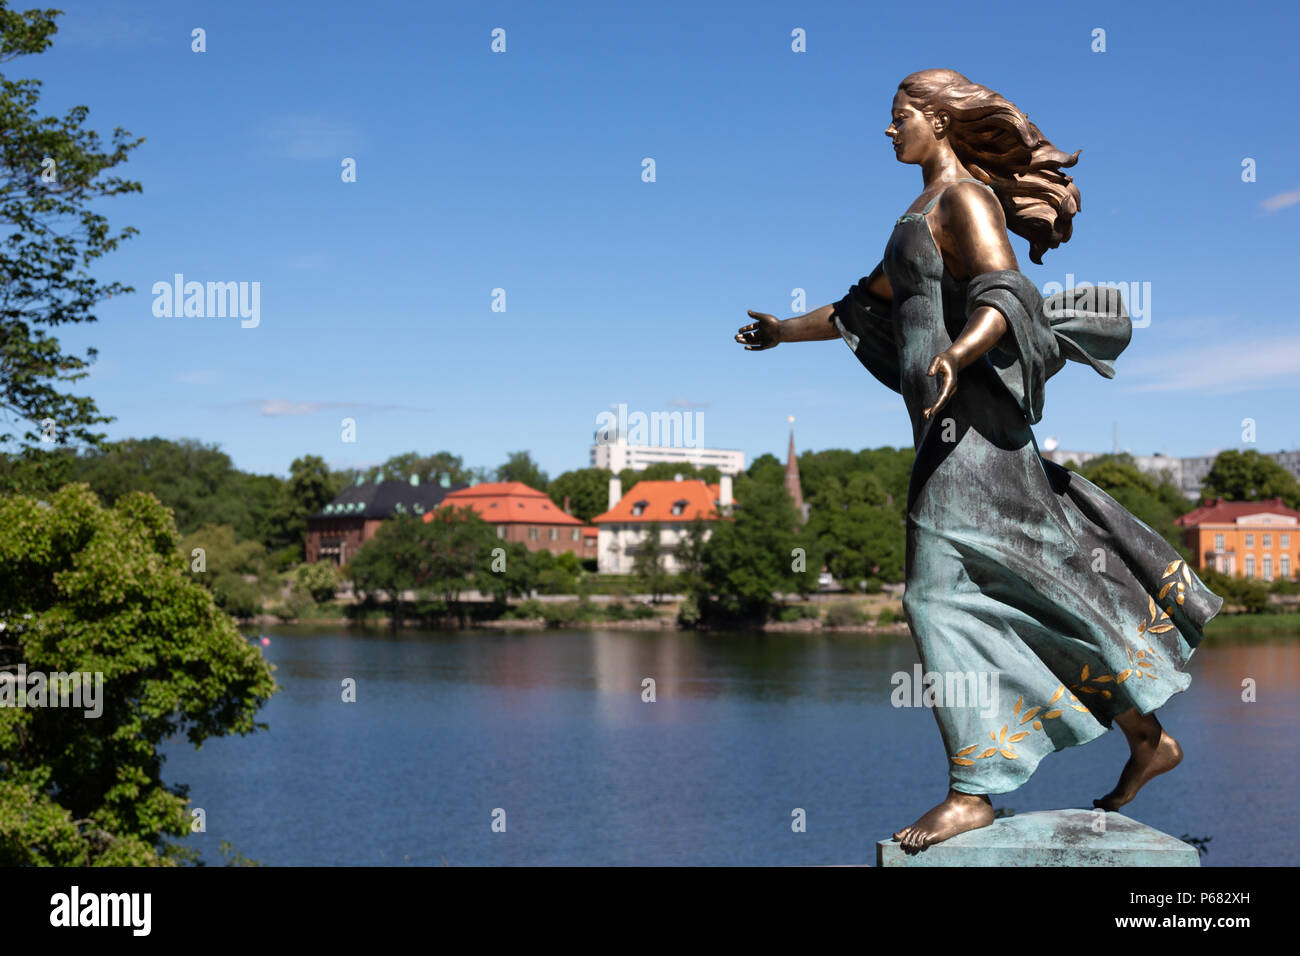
(522, 170)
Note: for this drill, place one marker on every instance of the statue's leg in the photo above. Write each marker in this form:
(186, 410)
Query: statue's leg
(1152, 752)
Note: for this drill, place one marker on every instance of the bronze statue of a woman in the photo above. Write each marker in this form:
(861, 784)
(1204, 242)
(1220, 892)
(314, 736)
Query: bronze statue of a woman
(1015, 566)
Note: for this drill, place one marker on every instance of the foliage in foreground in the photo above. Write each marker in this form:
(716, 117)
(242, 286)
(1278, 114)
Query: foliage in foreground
(86, 588)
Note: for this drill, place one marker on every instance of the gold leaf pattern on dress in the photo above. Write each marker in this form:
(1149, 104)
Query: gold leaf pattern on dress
(1187, 575)
(1171, 569)
(1124, 675)
(1084, 675)
(1006, 745)
(1166, 589)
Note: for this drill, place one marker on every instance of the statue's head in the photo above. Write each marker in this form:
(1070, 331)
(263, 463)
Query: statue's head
(940, 110)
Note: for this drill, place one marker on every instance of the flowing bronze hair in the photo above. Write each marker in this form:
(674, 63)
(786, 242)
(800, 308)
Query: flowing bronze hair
(1002, 149)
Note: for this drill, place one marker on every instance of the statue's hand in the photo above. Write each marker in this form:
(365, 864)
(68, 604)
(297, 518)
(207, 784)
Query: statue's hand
(945, 366)
(764, 333)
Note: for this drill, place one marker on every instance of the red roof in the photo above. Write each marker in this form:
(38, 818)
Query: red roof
(656, 500)
(1227, 512)
(507, 502)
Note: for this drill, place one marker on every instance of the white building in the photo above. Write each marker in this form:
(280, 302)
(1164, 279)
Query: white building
(618, 455)
(673, 504)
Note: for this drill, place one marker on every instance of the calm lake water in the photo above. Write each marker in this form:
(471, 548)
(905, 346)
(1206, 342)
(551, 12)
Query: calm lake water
(551, 728)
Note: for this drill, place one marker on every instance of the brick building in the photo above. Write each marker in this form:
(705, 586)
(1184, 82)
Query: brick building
(337, 531)
(527, 516)
(1253, 539)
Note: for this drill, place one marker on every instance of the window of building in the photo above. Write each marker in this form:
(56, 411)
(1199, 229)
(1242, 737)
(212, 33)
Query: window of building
(555, 534)
(1286, 541)
(1218, 542)
(577, 533)
(1268, 567)
(1250, 541)
(501, 531)
(638, 509)
(532, 534)
(1268, 541)
(679, 507)
(1250, 565)
(1284, 566)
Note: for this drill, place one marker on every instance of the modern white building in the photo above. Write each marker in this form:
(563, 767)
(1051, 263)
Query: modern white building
(618, 454)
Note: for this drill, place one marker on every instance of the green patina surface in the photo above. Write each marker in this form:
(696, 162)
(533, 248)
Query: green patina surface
(1051, 838)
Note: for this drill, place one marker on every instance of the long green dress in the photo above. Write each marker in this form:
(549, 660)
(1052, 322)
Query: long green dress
(1017, 568)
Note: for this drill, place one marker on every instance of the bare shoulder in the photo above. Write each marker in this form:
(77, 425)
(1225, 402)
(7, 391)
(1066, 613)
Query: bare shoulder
(973, 231)
(971, 203)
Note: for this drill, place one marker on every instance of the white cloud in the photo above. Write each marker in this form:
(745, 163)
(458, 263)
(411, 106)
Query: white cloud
(1220, 368)
(1281, 201)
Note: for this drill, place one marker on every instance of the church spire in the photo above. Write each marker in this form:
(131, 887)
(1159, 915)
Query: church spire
(792, 477)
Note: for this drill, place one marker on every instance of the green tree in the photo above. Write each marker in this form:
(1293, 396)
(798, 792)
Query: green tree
(587, 490)
(862, 535)
(443, 557)
(1250, 476)
(319, 580)
(220, 562)
(648, 565)
(520, 466)
(197, 482)
(556, 573)
(52, 175)
(749, 559)
(99, 590)
(396, 559)
(311, 486)
(513, 573)
(430, 469)
(462, 545)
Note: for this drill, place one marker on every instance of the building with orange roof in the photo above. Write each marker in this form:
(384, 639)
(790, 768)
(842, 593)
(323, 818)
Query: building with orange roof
(1252, 539)
(525, 515)
(673, 504)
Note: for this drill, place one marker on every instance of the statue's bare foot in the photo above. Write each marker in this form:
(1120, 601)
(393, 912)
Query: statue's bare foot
(957, 814)
(1153, 752)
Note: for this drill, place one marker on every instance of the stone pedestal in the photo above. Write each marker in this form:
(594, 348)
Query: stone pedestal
(1050, 838)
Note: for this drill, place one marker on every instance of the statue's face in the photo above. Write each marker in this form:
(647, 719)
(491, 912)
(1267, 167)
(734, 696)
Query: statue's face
(911, 130)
